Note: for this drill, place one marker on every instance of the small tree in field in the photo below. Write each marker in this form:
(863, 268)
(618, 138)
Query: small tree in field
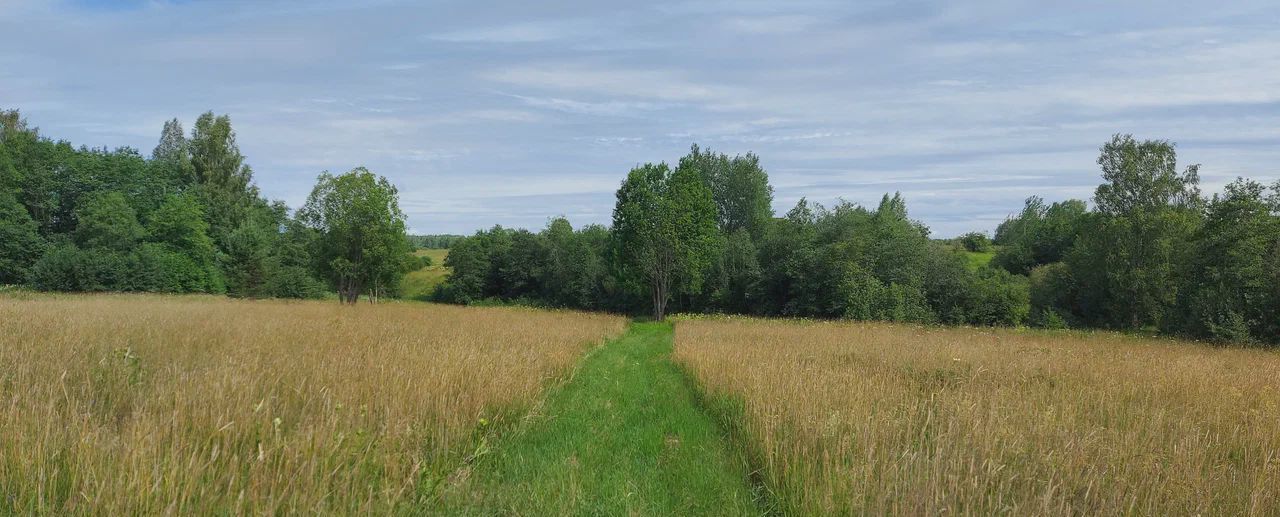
(362, 243)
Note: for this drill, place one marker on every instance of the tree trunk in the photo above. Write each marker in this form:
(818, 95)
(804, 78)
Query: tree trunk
(348, 290)
(660, 293)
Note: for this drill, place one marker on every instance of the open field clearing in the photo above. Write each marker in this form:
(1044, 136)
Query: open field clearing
(419, 284)
(878, 418)
(118, 405)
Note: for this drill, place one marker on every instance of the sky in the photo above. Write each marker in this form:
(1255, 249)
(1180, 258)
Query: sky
(513, 112)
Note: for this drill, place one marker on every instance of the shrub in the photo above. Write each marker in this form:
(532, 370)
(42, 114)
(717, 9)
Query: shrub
(1000, 298)
(977, 242)
(286, 281)
(65, 267)
(1051, 293)
(162, 269)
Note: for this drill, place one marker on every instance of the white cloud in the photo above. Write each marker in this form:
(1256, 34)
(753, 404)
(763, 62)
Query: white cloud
(657, 84)
(524, 32)
(781, 24)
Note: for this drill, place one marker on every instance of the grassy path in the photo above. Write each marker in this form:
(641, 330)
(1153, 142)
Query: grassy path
(623, 437)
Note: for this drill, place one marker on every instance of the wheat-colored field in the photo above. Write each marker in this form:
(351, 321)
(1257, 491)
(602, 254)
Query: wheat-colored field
(877, 418)
(118, 405)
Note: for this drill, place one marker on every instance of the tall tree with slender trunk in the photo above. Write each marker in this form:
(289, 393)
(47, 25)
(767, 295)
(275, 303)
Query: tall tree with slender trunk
(665, 231)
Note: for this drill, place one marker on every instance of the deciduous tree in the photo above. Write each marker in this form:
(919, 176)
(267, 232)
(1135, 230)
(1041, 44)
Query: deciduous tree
(361, 231)
(665, 230)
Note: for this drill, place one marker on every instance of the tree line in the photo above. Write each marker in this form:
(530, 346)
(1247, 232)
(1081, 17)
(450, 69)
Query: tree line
(1149, 252)
(1152, 253)
(434, 242)
(187, 219)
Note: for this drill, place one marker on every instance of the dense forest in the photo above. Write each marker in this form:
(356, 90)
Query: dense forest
(1150, 252)
(187, 219)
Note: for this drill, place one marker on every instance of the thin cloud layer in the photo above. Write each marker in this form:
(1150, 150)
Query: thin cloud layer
(510, 112)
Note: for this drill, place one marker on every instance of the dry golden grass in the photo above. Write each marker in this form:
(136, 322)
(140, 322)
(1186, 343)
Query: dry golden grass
(116, 405)
(876, 418)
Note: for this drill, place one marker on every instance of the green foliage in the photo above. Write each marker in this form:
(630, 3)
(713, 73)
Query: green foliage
(65, 267)
(289, 268)
(1230, 283)
(434, 242)
(224, 181)
(163, 269)
(868, 298)
(1126, 262)
(1001, 298)
(575, 265)
(976, 242)
(1040, 234)
(1053, 296)
(739, 186)
(179, 223)
(360, 231)
(558, 267)
(470, 261)
(181, 256)
(1152, 254)
(171, 158)
(665, 231)
(736, 277)
(959, 294)
(206, 228)
(107, 221)
(20, 241)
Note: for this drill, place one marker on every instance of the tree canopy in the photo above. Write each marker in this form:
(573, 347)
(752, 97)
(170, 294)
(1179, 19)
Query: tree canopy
(361, 239)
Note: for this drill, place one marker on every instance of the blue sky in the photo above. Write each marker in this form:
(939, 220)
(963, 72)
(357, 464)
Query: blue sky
(512, 112)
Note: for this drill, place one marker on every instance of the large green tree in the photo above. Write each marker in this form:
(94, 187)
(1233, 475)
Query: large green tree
(182, 258)
(107, 221)
(665, 231)
(361, 231)
(739, 186)
(1229, 285)
(1127, 263)
(225, 181)
(171, 157)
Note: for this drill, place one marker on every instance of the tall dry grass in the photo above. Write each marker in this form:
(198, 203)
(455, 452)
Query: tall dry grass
(116, 405)
(876, 418)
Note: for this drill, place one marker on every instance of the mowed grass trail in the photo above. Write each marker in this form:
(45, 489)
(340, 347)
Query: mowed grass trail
(623, 437)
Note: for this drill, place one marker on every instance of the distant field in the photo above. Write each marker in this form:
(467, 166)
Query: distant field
(128, 405)
(418, 285)
(978, 259)
(876, 418)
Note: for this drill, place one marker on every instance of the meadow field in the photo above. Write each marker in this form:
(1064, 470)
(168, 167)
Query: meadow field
(420, 284)
(844, 418)
(138, 404)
